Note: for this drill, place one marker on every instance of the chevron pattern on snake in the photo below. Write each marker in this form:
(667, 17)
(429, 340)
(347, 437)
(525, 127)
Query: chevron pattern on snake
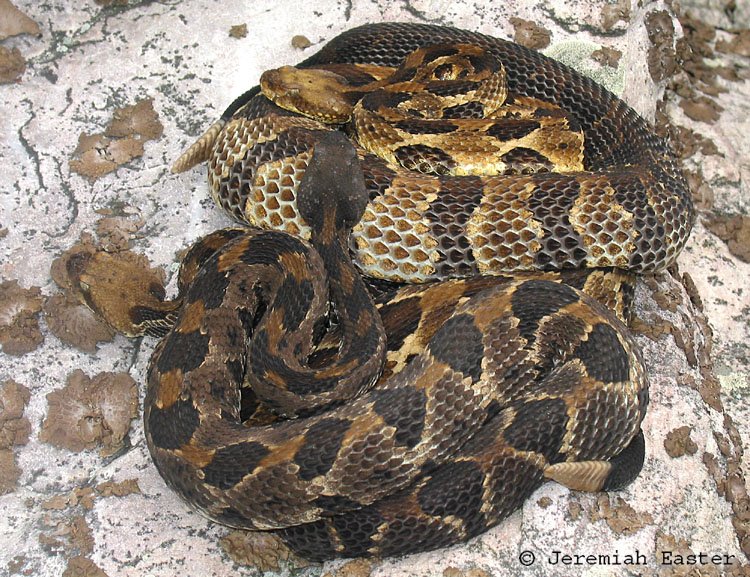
(284, 399)
(626, 206)
(486, 387)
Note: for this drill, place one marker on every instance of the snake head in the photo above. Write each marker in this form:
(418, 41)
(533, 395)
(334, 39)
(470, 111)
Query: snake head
(121, 290)
(332, 195)
(320, 94)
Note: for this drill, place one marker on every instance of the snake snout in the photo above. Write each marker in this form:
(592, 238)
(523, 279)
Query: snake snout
(333, 184)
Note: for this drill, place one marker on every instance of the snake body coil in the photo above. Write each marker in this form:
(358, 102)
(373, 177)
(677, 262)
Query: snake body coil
(629, 208)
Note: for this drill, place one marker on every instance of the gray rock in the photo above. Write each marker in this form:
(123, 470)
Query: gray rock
(91, 60)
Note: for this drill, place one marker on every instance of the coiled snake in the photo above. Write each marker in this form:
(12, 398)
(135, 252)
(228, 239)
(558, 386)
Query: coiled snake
(426, 420)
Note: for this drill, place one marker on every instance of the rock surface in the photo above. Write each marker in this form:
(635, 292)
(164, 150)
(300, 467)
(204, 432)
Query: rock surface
(101, 98)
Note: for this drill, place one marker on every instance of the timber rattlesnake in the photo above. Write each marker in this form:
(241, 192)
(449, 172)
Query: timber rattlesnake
(467, 393)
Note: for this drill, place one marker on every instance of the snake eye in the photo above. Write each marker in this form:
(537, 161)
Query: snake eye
(156, 290)
(443, 72)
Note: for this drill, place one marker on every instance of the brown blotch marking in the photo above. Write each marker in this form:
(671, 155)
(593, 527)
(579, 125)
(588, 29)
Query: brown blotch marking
(202, 251)
(400, 319)
(337, 370)
(384, 99)
(274, 328)
(512, 129)
(404, 409)
(465, 110)
(434, 371)
(362, 426)
(450, 218)
(587, 388)
(440, 302)
(456, 489)
(192, 316)
(418, 126)
(233, 254)
(169, 388)
(487, 310)
(274, 378)
(199, 457)
(364, 323)
(527, 159)
(294, 264)
(433, 52)
(356, 532)
(174, 426)
(425, 159)
(452, 87)
(283, 453)
(232, 463)
(346, 279)
(535, 299)
(562, 332)
(583, 310)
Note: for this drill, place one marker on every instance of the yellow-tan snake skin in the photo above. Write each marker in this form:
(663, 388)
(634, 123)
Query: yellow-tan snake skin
(425, 417)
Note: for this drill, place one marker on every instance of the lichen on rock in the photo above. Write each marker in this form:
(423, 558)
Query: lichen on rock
(91, 412)
(19, 318)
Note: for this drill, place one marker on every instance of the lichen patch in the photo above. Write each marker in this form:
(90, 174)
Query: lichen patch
(353, 568)
(733, 229)
(81, 566)
(264, 551)
(530, 34)
(679, 443)
(122, 140)
(19, 318)
(619, 515)
(15, 429)
(91, 412)
(13, 22)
